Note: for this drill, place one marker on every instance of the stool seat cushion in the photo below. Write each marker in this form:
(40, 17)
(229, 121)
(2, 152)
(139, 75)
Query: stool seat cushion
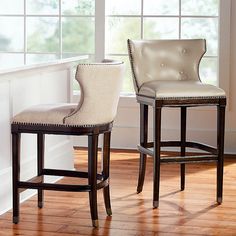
(45, 114)
(179, 89)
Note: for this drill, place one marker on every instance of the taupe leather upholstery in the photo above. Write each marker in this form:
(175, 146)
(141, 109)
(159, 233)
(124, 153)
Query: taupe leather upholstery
(179, 89)
(100, 85)
(169, 68)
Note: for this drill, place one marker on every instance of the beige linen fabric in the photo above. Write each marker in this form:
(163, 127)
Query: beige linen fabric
(100, 88)
(45, 114)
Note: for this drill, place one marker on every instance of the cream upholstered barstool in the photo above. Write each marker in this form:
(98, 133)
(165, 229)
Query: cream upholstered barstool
(166, 74)
(100, 87)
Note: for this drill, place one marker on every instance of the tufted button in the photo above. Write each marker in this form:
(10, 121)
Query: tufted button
(184, 51)
(162, 65)
(183, 76)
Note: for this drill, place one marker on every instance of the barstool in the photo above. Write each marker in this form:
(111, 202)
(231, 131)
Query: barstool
(100, 85)
(166, 74)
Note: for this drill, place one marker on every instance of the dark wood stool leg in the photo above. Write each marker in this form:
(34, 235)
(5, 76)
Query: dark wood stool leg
(105, 170)
(16, 175)
(40, 155)
(157, 153)
(92, 176)
(183, 141)
(143, 142)
(220, 146)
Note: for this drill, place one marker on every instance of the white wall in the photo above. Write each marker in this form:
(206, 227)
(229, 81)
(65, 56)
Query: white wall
(231, 115)
(18, 90)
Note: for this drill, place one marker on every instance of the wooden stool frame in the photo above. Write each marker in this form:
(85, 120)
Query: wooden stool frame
(154, 148)
(38, 181)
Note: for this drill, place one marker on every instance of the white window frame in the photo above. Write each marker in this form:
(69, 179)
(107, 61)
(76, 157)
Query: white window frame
(59, 16)
(224, 37)
(99, 30)
(128, 100)
(223, 73)
(224, 46)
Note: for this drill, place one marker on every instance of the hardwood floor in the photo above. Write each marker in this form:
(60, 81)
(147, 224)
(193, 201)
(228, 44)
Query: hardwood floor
(191, 212)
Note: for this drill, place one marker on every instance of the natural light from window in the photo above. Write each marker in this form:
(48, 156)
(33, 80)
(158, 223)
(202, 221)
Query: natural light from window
(35, 31)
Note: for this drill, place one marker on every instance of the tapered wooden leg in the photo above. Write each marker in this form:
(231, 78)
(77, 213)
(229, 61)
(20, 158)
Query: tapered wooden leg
(92, 177)
(105, 170)
(220, 146)
(40, 155)
(183, 141)
(16, 175)
(157, 153)
(143, 142)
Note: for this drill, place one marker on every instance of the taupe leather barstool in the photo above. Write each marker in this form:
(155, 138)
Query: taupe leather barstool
(94, 114)
(166, 74)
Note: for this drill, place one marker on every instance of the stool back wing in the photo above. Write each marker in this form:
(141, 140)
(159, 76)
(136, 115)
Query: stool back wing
(100, 85)
(165, 59)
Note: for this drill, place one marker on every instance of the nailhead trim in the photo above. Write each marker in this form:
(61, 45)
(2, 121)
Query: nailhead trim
(57, 125)
(183, 98)
(106, 63)
(132, 65)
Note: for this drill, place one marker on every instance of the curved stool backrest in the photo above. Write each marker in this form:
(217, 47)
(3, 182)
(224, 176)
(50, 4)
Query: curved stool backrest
(100, 85)
(165, 59)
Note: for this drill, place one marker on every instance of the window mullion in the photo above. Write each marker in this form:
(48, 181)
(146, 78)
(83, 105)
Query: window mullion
(180, 18)
(224, 45)
(25, 33)
(142, 19)
(60, 30)
(99, 30)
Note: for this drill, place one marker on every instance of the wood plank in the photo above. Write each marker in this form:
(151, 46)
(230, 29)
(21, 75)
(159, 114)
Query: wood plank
(190, 212)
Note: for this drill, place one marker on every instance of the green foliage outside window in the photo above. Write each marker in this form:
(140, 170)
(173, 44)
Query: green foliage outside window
(77, 29)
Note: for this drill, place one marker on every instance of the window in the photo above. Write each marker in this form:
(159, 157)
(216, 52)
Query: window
(161, 19)
(43, 30)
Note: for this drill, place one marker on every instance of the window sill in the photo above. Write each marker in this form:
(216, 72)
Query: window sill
(42, 65)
